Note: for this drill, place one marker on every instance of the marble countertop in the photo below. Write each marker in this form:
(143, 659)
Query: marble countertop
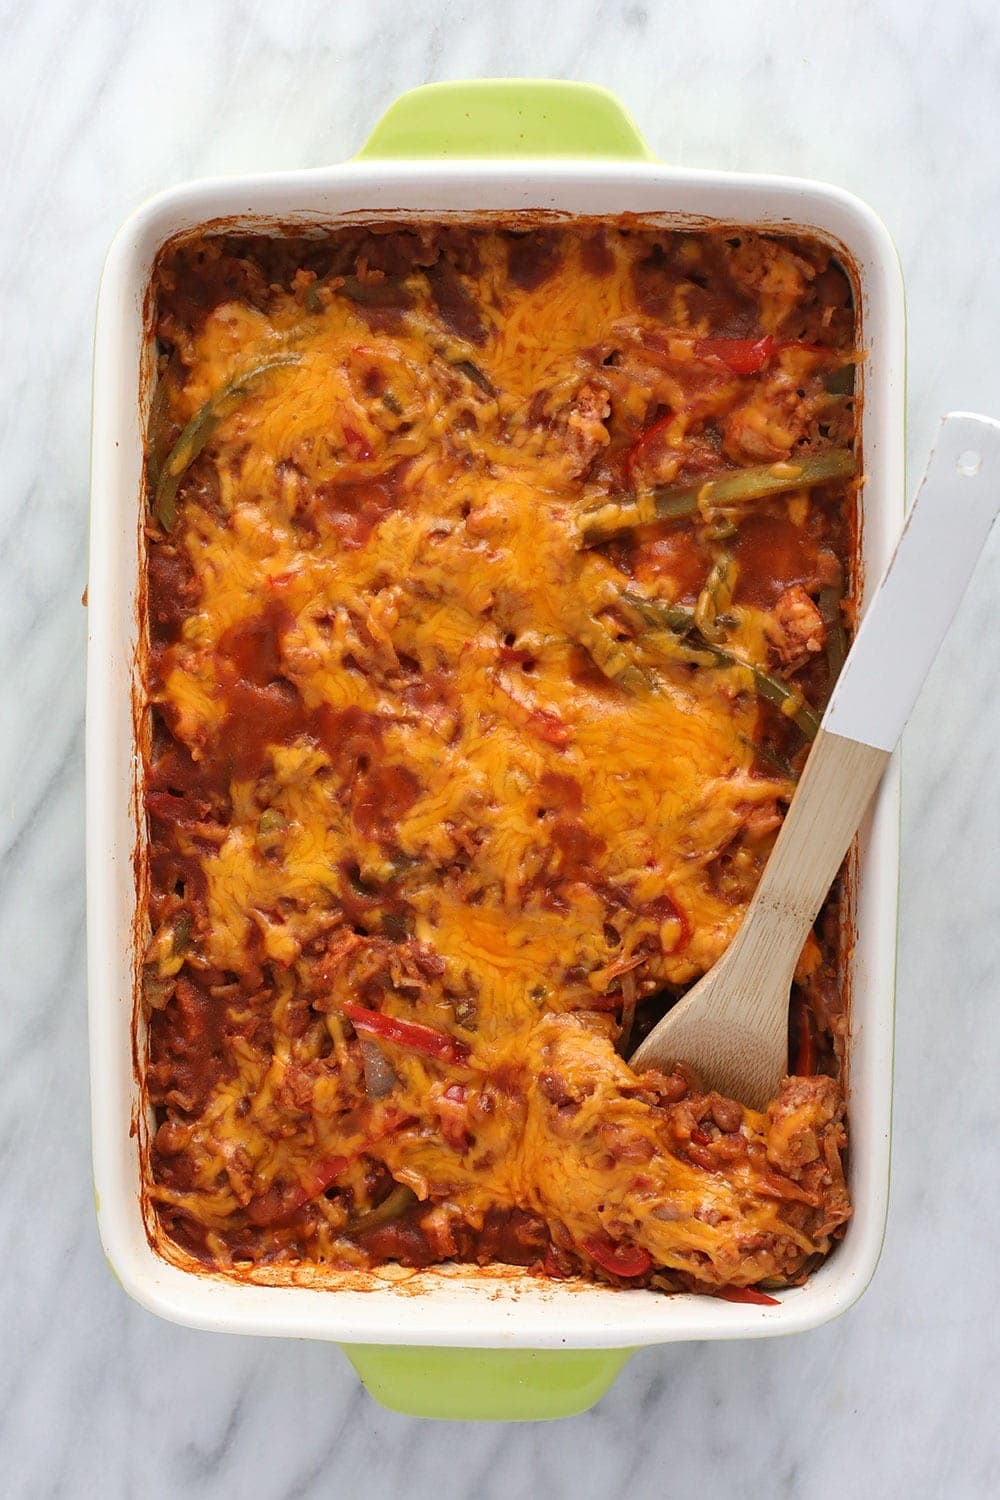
(105, 103)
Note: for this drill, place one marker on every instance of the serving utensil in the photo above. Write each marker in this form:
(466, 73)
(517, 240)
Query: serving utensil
(732, 1026)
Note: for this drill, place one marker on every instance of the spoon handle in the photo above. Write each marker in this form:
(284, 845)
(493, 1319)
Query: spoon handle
(920, 591)
(838, 783)
(896, 643)
(733, 1025)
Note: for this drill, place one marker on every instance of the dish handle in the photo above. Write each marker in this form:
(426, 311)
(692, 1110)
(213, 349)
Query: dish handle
(486, 1385)
(506, 117)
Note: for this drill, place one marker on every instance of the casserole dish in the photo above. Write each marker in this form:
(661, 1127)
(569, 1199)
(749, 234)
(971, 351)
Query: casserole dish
(458, 1342)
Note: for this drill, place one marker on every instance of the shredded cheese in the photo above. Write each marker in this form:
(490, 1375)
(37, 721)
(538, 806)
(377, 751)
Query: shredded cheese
(455, 813)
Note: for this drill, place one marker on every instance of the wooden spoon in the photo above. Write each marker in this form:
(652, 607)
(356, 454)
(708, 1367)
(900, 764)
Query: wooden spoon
(732, 1026)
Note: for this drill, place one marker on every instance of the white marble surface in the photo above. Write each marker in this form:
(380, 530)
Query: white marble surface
(100, 105)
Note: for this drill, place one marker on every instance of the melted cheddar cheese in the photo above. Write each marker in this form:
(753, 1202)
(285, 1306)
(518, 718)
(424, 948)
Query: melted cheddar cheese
(434, 823)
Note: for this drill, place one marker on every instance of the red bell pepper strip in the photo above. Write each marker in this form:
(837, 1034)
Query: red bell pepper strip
(319, 1177)
(549, 727)
(620, 1259)
(683, 924)
(747, 356)
(357, 446)
(275, 1208)
(409, 1034)
(540, 721)
(741, 356)
(635, 454)
(805, 1050)
(170, 808)
(746, 1294)
(391, 1122)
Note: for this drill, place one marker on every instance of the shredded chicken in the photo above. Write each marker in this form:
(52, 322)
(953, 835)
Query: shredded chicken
(796, 629)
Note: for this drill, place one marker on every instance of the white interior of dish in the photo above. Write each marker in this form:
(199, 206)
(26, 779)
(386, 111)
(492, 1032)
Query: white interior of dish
(455, 1306)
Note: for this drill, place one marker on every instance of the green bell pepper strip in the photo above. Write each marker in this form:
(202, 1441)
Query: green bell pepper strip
(681, 624)
(840, 382)
(733, 488)
(612, 657)
(199, 430)
(158, 428)
(836, 637)
(478, 377)
(709, 606)
(182, 933)
(392, 1207)
(390, 294)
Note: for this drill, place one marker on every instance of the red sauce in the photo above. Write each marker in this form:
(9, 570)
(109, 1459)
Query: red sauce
(532, 259)
(559, 793)
(180, 794)
(511, 1236)
(253, 646)
(396, 253)
(402, 1240)
(772, 554)
(170, 586)
(664, 908)
(207, 274)
(173, 769)
(457, 309)
(354, 510)
(258, 719)
(186, 1046)
(665, 552)
(351, 737)
(382, 796)
(264, 709)
(709, 292)
(595, 254)
(579, 850)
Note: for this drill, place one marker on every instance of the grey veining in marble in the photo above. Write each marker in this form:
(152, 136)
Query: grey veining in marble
(104, 103)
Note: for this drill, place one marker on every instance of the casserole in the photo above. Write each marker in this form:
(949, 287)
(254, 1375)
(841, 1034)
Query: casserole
(563, 1328)
(447, 795)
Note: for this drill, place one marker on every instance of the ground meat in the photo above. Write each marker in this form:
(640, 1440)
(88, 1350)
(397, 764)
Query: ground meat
(586, 433)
